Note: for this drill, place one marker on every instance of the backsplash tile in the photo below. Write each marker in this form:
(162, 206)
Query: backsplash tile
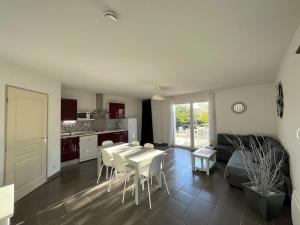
(75, 126)
(86, 125)
(112, 124)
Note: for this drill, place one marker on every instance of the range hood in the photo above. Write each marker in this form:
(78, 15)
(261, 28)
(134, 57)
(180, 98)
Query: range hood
(99, 111)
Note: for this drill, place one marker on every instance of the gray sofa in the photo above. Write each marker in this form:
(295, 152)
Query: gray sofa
(235, 170)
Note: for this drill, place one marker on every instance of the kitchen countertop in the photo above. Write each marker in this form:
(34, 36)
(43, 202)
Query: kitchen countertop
(88, 133)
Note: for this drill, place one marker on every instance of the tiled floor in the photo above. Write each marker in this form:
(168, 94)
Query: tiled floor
(72, 198)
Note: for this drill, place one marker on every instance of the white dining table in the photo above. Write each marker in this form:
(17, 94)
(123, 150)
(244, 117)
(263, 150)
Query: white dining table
(138, 157)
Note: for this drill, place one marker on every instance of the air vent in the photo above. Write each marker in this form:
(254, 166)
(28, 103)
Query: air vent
(298, 50)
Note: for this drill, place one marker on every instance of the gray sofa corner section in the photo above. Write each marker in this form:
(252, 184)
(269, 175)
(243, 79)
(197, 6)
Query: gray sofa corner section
(235, 170)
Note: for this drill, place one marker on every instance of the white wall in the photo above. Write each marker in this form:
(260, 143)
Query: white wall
(133, 107)
(289, 75)
(260, 117)
(86, 101)
(25, 78)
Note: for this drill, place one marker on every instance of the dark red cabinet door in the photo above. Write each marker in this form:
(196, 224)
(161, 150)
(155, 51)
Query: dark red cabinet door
(69, 149)
(68, 109)
(103, 137)
(113, 136)
(125, 136)
(116, 110)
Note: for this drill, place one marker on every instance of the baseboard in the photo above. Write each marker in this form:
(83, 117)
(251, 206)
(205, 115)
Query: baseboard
(53, 176)
(69, 163)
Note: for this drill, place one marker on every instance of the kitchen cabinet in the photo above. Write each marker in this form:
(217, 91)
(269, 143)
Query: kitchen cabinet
(88, 148)
(119, 136)
(68, 109)
(116, 110)
(69, 149)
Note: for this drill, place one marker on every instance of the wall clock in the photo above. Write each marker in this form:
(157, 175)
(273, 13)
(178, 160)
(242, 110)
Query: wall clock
(279, 100)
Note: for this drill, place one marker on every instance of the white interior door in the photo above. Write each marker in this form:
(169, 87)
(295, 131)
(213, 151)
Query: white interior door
(26, 140)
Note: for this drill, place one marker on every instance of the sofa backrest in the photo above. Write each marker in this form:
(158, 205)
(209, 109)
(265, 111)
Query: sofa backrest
(279, 149)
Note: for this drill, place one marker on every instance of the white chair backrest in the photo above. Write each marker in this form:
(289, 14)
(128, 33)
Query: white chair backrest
(156, 165)
(106, 157)
(106, 143)
(119, 163)
(135, 143)
(149, 145)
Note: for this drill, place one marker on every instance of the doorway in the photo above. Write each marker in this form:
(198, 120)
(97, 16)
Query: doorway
(191, 125)
(26, 140)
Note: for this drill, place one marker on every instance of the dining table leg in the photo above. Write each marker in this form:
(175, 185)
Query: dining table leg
(137, 187)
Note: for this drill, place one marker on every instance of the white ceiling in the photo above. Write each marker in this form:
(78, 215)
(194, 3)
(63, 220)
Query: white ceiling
(183, 45)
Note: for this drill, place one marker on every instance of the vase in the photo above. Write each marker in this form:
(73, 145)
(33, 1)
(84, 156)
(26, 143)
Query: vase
(268, 206)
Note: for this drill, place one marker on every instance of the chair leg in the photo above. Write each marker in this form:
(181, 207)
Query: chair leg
(143, 184)
(110, 180)
(157, 178)
(132, 190)
(106, 173)
(111, 173)
(99, 175)
(163, 174)
(149, 195)
(151, 181)
(124, 188)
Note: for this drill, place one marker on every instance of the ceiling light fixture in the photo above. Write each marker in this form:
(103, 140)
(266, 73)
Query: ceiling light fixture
(157, 97)
(111, 15)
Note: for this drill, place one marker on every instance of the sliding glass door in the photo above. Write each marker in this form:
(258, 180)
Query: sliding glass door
(183, 125)
(191, 125)
(201, 132)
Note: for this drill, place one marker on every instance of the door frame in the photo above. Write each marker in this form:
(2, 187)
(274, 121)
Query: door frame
(5, 124)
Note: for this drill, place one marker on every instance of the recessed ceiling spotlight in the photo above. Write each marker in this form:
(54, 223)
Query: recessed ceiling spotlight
(111, 15)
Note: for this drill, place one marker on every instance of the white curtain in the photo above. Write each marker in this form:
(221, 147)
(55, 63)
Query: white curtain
(211, 118)
(171, 107)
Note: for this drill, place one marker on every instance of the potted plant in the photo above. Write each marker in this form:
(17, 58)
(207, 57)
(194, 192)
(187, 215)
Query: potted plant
(263, 166)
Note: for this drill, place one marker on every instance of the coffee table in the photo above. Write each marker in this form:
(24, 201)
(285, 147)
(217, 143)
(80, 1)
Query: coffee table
(206, 159)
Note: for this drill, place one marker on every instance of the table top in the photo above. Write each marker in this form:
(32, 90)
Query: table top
(142, 157)
(204, 153)
(7, 201)
(136, 156)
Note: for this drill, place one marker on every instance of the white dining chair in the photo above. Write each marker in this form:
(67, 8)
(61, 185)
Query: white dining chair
(149, 146)
(107, 143)
(123, 169)
(100, 158)
(107, 161)
(155, 169)
(135, 143)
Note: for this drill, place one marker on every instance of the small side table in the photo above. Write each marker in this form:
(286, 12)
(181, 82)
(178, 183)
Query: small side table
(206, 155)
